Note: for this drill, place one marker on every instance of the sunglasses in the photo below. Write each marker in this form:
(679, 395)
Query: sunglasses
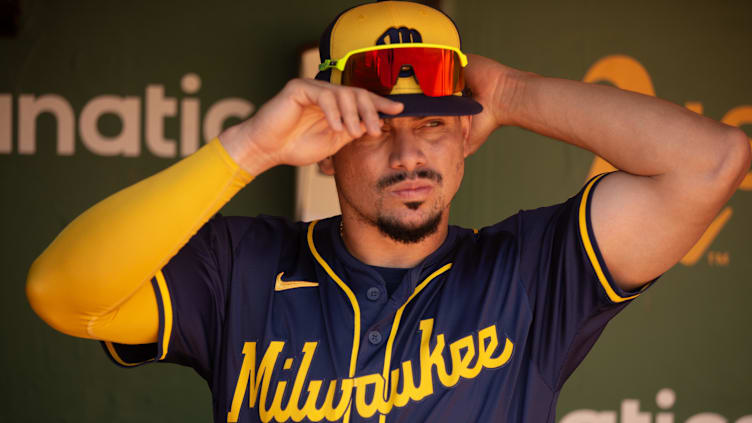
(437, 68)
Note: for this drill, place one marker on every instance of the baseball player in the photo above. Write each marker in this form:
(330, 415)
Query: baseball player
(388, 313)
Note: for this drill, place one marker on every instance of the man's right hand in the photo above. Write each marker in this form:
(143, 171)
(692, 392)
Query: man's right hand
(304, 123)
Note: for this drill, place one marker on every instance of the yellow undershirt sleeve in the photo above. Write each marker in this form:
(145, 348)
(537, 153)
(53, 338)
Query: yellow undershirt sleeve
(108, 254)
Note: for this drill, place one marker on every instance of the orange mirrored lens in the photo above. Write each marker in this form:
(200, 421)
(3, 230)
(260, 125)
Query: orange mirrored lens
(438, 71)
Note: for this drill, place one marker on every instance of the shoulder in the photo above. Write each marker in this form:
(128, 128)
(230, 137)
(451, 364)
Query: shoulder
(528, 230)
(259, 229)
(536, 222)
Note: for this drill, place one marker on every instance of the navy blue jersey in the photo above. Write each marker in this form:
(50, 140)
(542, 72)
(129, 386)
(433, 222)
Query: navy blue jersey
(285, 325)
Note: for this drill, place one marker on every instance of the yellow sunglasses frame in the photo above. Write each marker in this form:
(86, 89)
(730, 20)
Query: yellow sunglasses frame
(339, 64)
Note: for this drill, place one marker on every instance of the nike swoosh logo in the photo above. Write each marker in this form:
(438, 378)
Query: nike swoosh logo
(281, 285)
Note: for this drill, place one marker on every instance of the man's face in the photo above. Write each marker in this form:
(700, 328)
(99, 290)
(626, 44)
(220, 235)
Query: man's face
(404, 180)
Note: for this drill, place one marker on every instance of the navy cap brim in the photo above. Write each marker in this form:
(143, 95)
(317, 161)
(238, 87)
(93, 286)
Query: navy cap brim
(422, 105)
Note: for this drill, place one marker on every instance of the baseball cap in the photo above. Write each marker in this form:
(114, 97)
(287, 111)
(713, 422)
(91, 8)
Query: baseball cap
(391, 22)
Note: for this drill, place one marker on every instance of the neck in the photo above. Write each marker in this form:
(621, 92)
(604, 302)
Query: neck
(369, 245)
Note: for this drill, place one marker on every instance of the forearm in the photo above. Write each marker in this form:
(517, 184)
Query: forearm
(105, 255)
(639, 134)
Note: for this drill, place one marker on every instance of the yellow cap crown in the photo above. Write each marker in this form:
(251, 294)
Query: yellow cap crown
(388, 22)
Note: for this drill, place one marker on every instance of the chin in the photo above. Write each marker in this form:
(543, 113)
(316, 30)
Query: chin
(409, 229)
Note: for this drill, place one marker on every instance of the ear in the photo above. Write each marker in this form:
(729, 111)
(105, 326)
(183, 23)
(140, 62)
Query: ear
(466, 122)
(326, 166)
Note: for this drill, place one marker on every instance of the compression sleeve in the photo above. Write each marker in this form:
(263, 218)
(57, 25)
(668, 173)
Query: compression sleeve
(108, 254)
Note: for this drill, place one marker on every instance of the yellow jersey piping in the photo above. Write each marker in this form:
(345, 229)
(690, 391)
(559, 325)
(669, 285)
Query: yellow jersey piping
(583, 220)
(348, 292)
(167, 308)
(115, 356)
(395, 325)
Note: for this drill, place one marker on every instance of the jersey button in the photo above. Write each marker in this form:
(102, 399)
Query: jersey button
(373, 293)
(374, 337)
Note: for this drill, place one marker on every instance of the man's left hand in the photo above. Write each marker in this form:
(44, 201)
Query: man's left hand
(492, 85)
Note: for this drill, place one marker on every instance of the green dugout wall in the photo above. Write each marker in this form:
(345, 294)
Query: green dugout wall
(95, 95)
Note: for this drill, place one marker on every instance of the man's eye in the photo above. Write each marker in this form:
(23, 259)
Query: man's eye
(434, 123)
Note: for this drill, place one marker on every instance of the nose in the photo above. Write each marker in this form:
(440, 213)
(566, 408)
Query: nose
(406, 151)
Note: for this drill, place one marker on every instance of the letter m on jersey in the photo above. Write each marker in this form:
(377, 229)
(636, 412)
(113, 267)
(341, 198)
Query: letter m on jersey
(249, 374)
(399, 35)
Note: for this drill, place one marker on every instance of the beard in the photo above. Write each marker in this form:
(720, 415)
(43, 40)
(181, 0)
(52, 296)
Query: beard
(398, 231)
(392, 226)
(405, 234)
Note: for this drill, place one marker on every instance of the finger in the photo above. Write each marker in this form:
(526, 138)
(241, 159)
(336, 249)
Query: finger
(368, 114)
(311, 93)
(328, 104)
(349, 111)
(386, 106)
(383, 104)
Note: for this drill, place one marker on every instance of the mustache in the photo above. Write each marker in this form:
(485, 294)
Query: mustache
(395, 178)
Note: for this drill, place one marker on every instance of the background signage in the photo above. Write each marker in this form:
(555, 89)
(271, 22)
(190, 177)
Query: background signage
(96, 95)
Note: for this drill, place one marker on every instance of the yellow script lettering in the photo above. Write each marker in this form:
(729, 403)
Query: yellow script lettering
(248, 373)
(363, 394)
(368, 408)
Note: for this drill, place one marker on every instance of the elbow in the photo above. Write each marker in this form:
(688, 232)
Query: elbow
(719, 170)
(734, 166)
(42, 291)
(38, 292)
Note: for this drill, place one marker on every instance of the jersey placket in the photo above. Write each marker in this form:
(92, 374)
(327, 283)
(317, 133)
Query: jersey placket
(377, 317)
